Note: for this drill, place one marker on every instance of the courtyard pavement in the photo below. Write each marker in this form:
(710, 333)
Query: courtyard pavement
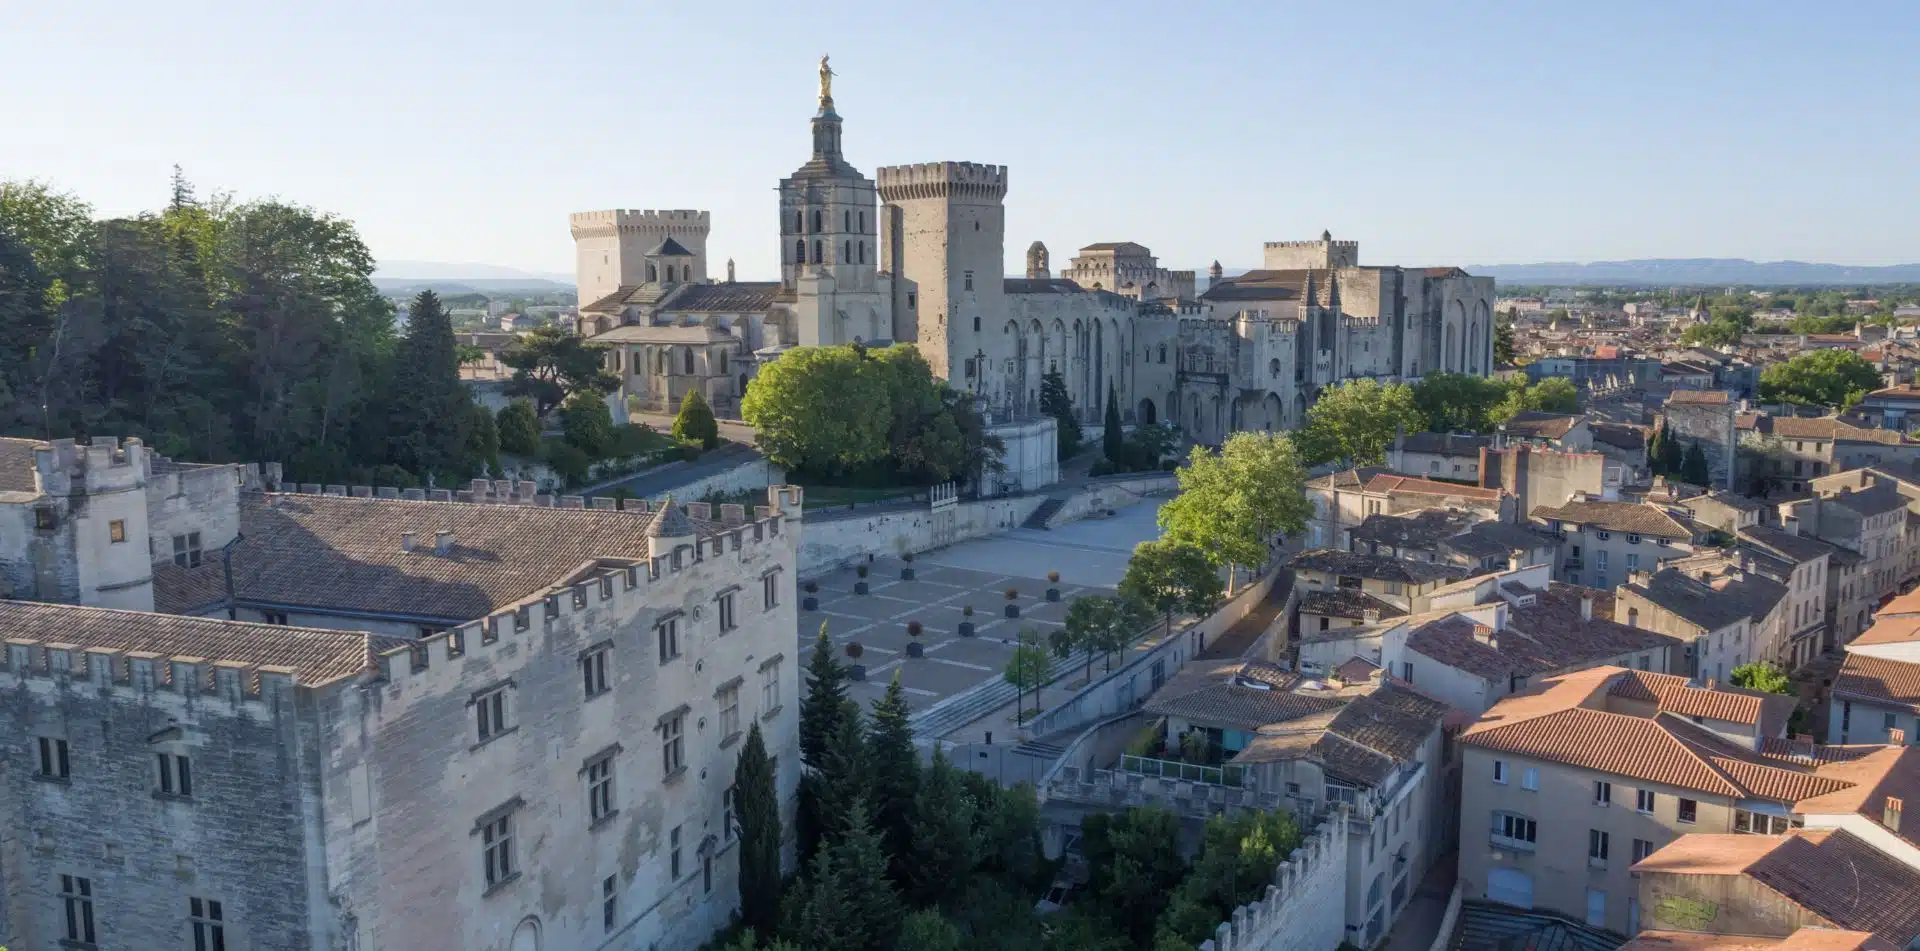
(1090, 555)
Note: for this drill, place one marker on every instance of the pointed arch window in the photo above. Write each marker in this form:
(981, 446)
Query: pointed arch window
(816, 221)
(689, 360)
(816, 250)
(800, 251)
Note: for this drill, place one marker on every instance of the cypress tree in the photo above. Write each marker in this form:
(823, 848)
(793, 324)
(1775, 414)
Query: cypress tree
(430, 413)
(1694, 469)
(1055, 402)
(1113, 440)
(756, 800)
(1672, 455)
(846, 902)
(942, 850)
(1654, 461)
(826, 701)
(896, 775)
(695, 423)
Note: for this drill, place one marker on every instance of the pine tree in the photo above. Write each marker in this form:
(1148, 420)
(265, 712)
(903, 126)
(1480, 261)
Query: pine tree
(1694, 469)
(942, 849)
(1655, 443)
(430, 415)
(1055, 402)
(845, 774)
(895, 766)
(822, 709)
(847, 902)
(1113, 439)
(756, 800)
(695, 423)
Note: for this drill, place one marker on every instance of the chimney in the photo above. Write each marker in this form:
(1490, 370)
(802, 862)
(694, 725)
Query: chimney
(1896, 737)
(1892, 815)
(1370, 615)
(1586, 607)
(406, 541)
(442, 542)
(1486, 635)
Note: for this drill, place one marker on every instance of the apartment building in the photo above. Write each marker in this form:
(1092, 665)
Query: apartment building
(1729, 614)
(1602, 542)
(1344, 499)
(1349, 589)
(1802, 564)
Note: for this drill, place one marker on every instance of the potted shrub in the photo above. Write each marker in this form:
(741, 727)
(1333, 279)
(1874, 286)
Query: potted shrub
(914, 647)
(812, 601)
(1053, 585)
(966, 621)
(1013, 607)
(860, 586)
(906, 571)
(856, 671)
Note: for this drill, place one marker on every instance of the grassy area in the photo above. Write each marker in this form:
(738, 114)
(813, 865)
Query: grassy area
(826, 496)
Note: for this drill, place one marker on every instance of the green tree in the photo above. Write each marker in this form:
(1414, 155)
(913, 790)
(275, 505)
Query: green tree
(1027, 669)
(1057, 403)
(825, 714)
(942, 849)
(1236, 861)
(756, 799)
(429, 407)
(1763, 676)
(1355, 422)
(1235, 504)
(894, 767)
(1113, 439)
(519, 426)
(1006, 824)
(1655, 438)
(483, 441)
(1835, 379)
(842, 782)
(1134, 862)
(1457, 402)
(1672, 454)
(695, 422)
(821, 409)
(550, 365)
(1715, 333)
(929, 931)
(1165, 576)
(1693, 469)
(846, 901)
(1090, 626)
(748, 939)
(587, 425)
(1503, 352)
(1555, 394)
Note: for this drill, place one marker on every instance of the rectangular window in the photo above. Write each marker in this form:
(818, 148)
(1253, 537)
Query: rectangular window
(186, 550)
(490, 713)
(1689, 810)
(1600, 559)
(1394, 587)
(209, 924)
(673, 854)
(667, 632)
(1499, 771)
(1641, 849)
(1598, 842)
(609, 903)
(1760, 823)
(1530, 778)
(1406, 671)
(1605, 535)
(600, 788)
(176, 774)
(496, 840)
(770, 591)
(769, 688)
(1889, 721)
(53, 758)
(726, 613)
(43, 518)
(274, 617)
(969, 280)
(593, 670)
(730, 711)
(1602, 792)
(672, 757)
(706, 874)
(76, 894)
(1643, 801)
(1633, 538)
(117, 530)
(1633, 561)
(1514, 830)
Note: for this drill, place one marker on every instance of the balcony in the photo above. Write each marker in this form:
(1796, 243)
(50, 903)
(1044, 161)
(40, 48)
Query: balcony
(1507, 844)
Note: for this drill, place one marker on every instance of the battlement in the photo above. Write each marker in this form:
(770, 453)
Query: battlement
(786, 498)
(648, 221)
(67, 467)
(1353, 246)
(941, 180)
(1268, 923)
(435, 663)
(150, 675)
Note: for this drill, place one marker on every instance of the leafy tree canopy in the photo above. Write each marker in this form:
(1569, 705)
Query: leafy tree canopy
(1762, 676)
(1234, 504)
(550, 365)
(1835, 379)
(1355, 422)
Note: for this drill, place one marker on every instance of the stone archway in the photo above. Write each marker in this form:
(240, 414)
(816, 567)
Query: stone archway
(1147, 416)
(1275, 415)
(527, 936)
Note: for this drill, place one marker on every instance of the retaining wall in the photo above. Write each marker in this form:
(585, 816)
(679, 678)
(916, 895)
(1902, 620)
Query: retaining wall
(830, 543)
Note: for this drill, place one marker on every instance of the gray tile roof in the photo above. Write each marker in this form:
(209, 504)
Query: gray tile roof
(1538, 425)
(17, 468)
(1422, 529)
(1446, 444)
(1054, 285)
(1798, 549)
(669, 248)
(1715, 603)
(750, 297)
(1214, 695)
(1631, 517)
(1379, 567)
(1345, 603)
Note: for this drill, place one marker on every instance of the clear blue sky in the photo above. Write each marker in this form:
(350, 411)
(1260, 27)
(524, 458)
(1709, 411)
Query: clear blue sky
(1442, 133)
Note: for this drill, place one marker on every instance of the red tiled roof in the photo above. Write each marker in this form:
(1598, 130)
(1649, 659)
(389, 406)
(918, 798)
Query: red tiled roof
(1879, 679)
(1387, 482)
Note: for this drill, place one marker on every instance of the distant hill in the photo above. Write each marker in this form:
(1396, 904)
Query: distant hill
(406, 286)
(393, 277)
(1663, 272)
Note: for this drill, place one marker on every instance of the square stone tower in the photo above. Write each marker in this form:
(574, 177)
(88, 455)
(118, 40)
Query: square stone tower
(610, 247)
(944, 239)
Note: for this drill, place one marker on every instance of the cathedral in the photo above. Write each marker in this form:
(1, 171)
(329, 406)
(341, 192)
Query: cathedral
(916, 255)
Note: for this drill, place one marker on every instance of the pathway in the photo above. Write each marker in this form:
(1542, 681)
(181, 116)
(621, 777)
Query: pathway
(1419, 922)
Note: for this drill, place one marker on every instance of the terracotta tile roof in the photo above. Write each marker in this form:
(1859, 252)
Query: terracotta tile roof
(1846, 881)
(1361, 743)
(315, 656)
(1634, 517)
(1387, 482)
(1707, 854)
(1606, 743)
(1545, 636)
(1455, 642)
(1539, 425)
(1700, 396)
(1806, 939)
(1905, 604)
(1355, 670)
(1879, 680)
(1333, 561)
(1346, 603)
(1903, 629)
(18, 471)
(1676, 694)
(342, 553)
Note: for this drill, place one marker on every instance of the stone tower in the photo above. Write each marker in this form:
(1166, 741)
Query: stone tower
(1214, 273)
(946, 247)
(828, 253)
(1038, 268)
(610, 247)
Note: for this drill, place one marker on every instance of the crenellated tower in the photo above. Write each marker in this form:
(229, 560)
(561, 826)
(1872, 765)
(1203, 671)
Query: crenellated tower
(611, 247)
(946, 246)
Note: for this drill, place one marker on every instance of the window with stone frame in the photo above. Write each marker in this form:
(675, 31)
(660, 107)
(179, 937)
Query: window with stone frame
(186, 550)
(724, 604)
(54, 760)
(729, 700)
(770, 687)
(76, 899)
(599, 772)
(496, 843)
(490, 713)
(209, 924)
(667, 633)
(175, 774)
(609, 903)
(673, 758)
(770, 590)
(593, 670)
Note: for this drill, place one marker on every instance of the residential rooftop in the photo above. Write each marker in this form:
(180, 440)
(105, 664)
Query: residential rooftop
(1636, 518)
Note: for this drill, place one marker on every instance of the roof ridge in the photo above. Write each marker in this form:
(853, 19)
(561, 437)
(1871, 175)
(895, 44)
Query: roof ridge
(1693, 749)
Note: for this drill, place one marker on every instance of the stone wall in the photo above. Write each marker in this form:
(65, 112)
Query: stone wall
(1115, 494)
(755, 475)
(1304, 909)
(1709, 426)
(830, 543)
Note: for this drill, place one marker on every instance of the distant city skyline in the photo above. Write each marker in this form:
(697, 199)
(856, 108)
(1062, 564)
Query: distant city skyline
(1455, 135)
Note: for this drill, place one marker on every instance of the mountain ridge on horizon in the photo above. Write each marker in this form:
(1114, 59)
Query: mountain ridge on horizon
(1705, 271)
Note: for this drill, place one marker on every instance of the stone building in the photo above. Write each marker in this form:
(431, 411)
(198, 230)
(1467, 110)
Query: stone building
(517, 710)
(916, 255)
(1705, 418)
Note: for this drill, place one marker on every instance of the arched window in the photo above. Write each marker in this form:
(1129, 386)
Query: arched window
(863, 222)
(1163, 353)
(689, 360)
(800, 251)
(816, 221)
(816, 250)
(846, 221)
(799, 222)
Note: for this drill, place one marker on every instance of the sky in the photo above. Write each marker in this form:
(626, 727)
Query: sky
(1438, 133)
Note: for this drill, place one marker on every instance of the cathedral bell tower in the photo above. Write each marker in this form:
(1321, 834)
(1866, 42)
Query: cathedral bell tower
(828, 253)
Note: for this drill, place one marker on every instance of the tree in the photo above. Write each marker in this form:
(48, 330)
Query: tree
(1554, 394)
(695, 422)
(1006, 824)
(942, 850)
(1234, 504)
(756, 800)
(1089, 621)
(846, 902)
(821, 409)
(1235, 863)
(1113, 439)
(1714, 333)
(825, 704)
(1694, 469)
(1134, 862)
(429, 415)
(1763, 676)
(1057, 403)
(1165, 576)
(929, 931)
(1457, 402)
(550, 365)
(894, 767)
(1656, 462)
(1503, 352)
(483, 441)
(1672, 453)
(519, 426)
(842, 783)
(587, 425)
(1835, 379)
(1027, 669)
(826, 716)
(1356, 421)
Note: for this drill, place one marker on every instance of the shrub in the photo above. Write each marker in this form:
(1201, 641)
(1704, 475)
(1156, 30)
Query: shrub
(1053, 577)
(585, 420)
(967, 611)
(860, 570)
(913, 628)
(812, 587)
(1012, 593)
(695, 422)
(854, 649)
(908, 557)
(519, 428)
(568, 461)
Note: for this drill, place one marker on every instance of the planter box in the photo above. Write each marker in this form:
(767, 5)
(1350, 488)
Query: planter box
(809, 603)
(916, 649)
(1013, 610)
(966, 629)
(906, 574)
(859, 587)
(1053, 594)
(857, 671)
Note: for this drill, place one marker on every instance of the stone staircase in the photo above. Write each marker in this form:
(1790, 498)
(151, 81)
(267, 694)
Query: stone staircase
(1040, 750)
(1038, 520)
(978, 701)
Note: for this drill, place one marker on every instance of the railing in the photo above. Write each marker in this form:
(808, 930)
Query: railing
(1511, 844)
(1234, 776)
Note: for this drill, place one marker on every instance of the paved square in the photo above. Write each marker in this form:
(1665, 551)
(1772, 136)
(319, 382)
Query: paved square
(1090, 555)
